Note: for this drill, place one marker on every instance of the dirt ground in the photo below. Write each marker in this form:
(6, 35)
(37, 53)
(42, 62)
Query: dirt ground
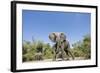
(59, 59)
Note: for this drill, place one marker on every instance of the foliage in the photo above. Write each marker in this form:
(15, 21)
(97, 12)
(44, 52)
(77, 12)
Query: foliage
(30, 49)
(81, 48)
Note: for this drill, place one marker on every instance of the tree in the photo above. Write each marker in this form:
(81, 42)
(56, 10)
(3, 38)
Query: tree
(82, 48)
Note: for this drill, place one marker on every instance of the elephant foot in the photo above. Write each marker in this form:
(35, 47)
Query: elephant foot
(63, 58)
(73, 58)
(67, 59)
(54, 60)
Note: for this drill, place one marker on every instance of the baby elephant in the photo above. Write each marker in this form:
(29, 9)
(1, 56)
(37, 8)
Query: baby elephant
(61, 45)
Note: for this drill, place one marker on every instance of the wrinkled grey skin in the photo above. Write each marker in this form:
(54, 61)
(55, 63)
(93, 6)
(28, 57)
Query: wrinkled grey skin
(61, 45)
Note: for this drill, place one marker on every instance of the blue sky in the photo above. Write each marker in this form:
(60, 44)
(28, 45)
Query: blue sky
(40, 23)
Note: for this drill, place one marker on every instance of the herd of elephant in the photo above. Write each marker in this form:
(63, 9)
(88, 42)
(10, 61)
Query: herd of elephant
(60, 48)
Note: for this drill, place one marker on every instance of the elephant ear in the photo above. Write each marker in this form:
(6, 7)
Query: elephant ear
(52, 37)
(62, 36)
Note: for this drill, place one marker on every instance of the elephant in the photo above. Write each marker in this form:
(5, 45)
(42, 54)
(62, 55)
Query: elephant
(61, 45)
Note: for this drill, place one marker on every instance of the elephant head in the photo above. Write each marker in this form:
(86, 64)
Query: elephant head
(61, 45)
(57, 37)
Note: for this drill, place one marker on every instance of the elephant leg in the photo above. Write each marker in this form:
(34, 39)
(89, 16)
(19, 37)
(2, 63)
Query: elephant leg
(71, 54)
(54, 54)
(62, 54)
(67, 49)
(67, 55)
(54, 57)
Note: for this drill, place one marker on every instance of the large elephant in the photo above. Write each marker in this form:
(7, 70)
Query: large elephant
(61, 45)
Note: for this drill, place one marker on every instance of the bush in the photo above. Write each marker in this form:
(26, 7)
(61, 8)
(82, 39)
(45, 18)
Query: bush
(32, 49)
(83, 48)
